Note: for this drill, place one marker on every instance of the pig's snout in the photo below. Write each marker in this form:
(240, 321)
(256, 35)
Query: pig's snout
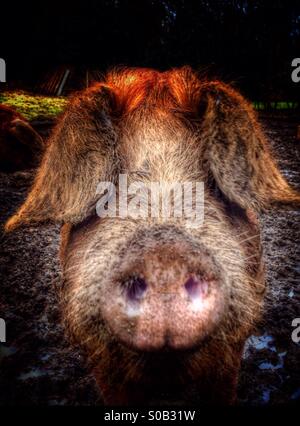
(166, 300)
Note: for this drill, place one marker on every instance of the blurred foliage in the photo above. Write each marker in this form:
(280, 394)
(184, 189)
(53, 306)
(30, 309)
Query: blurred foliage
(34, 106)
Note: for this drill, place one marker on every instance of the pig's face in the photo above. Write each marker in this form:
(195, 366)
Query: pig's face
(157, 283)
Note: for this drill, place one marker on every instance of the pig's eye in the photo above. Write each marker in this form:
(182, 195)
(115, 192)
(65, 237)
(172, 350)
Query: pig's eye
(232, 208)
(135, 288)
(216, 191)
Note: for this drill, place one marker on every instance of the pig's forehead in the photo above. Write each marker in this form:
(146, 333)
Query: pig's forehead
(171, 153)
(156, 127)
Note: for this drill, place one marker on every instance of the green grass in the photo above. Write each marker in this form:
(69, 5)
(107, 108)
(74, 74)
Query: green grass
(34, 106)
(275, 105)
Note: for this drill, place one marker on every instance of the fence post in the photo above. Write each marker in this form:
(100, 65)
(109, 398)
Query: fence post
(2, 331)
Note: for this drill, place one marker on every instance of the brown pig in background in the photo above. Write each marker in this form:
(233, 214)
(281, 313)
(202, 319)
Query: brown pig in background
(158, 306)
(20, 145)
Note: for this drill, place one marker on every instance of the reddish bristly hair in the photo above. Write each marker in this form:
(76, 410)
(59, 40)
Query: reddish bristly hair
(176, 89)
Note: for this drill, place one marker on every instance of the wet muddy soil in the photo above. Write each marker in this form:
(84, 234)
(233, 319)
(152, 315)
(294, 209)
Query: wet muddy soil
(39, 367)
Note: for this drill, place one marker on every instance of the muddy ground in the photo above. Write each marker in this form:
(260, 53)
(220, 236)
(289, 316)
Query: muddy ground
(38, 366)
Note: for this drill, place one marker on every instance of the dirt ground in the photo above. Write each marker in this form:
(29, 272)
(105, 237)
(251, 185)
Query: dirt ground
(39, 367)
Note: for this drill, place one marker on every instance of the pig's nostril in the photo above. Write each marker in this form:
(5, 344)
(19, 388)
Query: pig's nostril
(136, 287)
(196, 287)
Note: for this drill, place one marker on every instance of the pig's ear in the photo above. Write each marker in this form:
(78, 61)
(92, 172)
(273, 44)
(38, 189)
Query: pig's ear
(237, 152)
(75, 161)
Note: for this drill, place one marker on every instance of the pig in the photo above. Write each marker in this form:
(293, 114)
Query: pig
(157, 306)
(20, 145)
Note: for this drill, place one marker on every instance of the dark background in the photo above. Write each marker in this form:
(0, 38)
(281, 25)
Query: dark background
(249, 42)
